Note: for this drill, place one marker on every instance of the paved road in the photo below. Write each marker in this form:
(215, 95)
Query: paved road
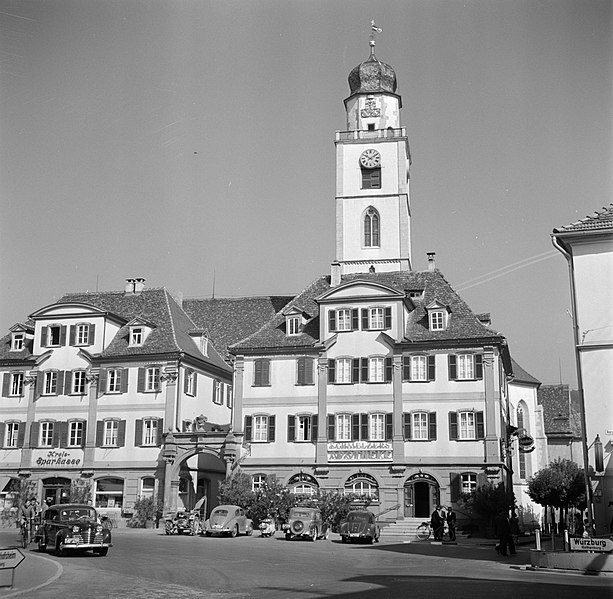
(146, 564)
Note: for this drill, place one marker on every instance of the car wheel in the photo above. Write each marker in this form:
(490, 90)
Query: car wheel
(326, 533)
(314, 534)
(207, 534)
(59, 548)
(168, 528)
(42, 547)
(249, 530)
(343, 539)
(102, 551)
(234, 532)
(288, 536)
(371, 540)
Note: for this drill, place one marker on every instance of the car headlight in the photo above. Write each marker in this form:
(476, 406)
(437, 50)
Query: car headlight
(75, 529)
(98, 529)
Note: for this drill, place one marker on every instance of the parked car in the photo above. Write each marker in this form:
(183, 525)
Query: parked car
(73, 527)
(360, 525)
(306, 522)
(182, 522)
(228, 520)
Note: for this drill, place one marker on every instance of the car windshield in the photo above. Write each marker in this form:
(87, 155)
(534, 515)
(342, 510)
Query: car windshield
(358, 517)
(81, 513)
(220, 513)
(300, 514)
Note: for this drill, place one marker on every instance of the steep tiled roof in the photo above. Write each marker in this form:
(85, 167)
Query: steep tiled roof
(560, 414)
(463, 324)
(5, 345)
(599, 220)
(521, 376)
(228, 320)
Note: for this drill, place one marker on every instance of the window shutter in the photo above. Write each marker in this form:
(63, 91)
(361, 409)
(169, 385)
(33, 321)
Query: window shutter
(314, 428)
(57, 426)
(331, 431)
(432, 426)
(185, 380)
(67, 383)
(389, 430)
(40, 381)
(291, 428)
(60, 382)
(92, 334)
(138, 432)
(84, 434)
(63, 335)
(34, 434)
(431, 367)
(355, 319)
(215, 388)
(455, 486)
(332, 320)
(63, 433)
(453, 425)
(123, 380)
(6, 384)
(481, 479)
(102, 384)
(355, 427)
(121, 434)
(406, 425)
(301, 368)
(365, 319)
(195, 383)
(248, 421)
(43, 336)
(2, 431)
(141, 380)
(355, 370)
(480, 425)
(265, 372)
(452, 367)
(72, 335)
(388, 370)
(478, 366)
(406, 368)
(271, 429)
(364, 369)
(160, 432)
(331, 371)
(308, 371)
(364, 436)
(21, 434)
(99, 433)
(388, 317)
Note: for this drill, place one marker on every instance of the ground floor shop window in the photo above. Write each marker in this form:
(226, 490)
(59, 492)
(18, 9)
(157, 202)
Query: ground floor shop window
(147, 487)
(109, 493)
(303, 484)
(363, 484)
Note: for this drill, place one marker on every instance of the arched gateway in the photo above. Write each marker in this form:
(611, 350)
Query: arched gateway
(194, 464)
(422, 494)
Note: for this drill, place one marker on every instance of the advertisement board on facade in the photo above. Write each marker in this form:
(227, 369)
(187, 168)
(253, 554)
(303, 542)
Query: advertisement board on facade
(357, 451)
(57, 458)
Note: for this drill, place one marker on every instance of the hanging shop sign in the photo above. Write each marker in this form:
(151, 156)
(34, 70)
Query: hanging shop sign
(360, 451)
(57, 458)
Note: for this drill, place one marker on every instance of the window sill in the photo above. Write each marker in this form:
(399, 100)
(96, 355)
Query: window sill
(304, 384)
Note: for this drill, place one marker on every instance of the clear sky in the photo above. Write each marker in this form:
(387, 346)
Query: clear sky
(191, 141)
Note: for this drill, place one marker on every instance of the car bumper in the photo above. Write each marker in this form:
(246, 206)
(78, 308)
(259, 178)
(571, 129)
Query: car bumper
(69, 544)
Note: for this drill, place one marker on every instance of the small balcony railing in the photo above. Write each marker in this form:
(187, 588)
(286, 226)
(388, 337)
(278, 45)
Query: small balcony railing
(360, 134)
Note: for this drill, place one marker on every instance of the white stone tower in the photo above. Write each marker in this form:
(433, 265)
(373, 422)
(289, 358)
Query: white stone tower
(373, 212)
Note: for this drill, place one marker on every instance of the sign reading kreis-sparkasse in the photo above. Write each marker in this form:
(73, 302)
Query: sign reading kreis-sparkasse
(58, 458)
(360, 451)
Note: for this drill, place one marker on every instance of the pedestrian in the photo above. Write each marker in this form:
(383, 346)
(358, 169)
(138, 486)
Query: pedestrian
(451, 523)
(503, 531)
(437, 523)
(588, 529)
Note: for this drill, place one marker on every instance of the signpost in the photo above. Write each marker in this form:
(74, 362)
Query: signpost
(9, 560)
(600, 545)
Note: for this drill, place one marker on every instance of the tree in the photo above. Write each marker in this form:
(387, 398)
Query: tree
(80, 491)
(488, 500)
(237, 490)
(560, 485)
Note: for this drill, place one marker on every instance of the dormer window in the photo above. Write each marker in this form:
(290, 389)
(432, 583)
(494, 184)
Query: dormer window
(137, 336)
(18, 341)
(437, 320)
(293, 325)
(53, 335)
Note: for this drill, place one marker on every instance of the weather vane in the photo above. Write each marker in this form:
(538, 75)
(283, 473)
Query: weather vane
(373, 30)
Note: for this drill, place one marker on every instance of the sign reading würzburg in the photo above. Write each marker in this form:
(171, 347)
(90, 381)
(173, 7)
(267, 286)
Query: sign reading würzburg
(10, 558)
(591, 544)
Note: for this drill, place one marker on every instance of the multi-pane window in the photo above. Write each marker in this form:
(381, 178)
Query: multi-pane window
(371, 228)
(46, 434)
(18, 341)
(343, 427)
(54, 334)
(137, 335)
(362, 484)
(147, 487)
(150, 431)
(469, 482)
(12, 434)
(376, 370)
(376, 427)
(50, 383)
(303, 428)
(217, 392)
(79, 380)
(75, 433)
(258, 481)
(190, 379)
(152, 378)
(113, 380)
(343, 319)
(303, 484)
(466, 425)
(16, 384)
(466, 366)
(260, 428)
(419, 368)
(229, 396)
(82, 334)
(419, 425)
(343, 370)
(376, 318)
(437, 320)
(294, 325)
(111, 428)
(522, 455)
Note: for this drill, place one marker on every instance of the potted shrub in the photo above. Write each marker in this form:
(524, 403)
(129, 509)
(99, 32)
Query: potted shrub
(145, 509)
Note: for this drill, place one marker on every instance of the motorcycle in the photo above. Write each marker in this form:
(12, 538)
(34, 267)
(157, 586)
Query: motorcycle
(267, 527)
(182, 522)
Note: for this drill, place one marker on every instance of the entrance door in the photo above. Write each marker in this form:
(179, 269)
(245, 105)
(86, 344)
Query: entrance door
(56, 489)
(422, 500)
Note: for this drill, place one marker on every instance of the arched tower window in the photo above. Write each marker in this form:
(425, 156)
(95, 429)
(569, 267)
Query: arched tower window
(371, 228)
(522, 423)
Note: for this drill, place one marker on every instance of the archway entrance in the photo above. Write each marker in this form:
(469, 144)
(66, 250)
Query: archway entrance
(56, 490)
(421, 495)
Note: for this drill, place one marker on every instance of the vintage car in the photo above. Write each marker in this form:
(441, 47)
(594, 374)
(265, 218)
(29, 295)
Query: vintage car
(72, 527)
(183, 522)
(228, 520)
(306, 522)
(360, 525)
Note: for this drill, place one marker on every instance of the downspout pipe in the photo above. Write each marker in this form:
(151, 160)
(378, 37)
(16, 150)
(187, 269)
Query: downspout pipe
(558, 244)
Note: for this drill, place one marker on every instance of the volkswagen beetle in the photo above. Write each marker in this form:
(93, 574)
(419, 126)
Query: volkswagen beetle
(306, 522)
(360, 525)
(72, 527)
(228, 520)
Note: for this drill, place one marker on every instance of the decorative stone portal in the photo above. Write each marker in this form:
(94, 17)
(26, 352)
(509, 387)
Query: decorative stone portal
(422, 494)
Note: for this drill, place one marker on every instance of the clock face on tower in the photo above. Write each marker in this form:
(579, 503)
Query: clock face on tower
(370, 159)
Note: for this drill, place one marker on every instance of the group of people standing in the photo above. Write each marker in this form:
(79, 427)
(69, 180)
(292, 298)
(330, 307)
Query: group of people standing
(440, 517)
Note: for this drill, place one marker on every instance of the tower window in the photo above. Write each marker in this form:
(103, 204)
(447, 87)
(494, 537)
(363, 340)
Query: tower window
(371, 228)
(371, 178)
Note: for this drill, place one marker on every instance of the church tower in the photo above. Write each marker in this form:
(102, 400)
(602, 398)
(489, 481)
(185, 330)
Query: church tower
(373, 213)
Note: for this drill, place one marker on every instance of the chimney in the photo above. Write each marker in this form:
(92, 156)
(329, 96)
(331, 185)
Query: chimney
(335, 278)
(129, 287)
(431, 260)
(139, 285)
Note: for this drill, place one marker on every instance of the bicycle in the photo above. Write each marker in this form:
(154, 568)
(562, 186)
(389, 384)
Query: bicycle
(424, 532)
(26, 532)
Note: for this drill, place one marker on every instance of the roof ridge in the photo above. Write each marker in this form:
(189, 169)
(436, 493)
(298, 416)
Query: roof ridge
(171, 319)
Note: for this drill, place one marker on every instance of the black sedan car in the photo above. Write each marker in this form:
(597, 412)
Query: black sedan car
(360, 525)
